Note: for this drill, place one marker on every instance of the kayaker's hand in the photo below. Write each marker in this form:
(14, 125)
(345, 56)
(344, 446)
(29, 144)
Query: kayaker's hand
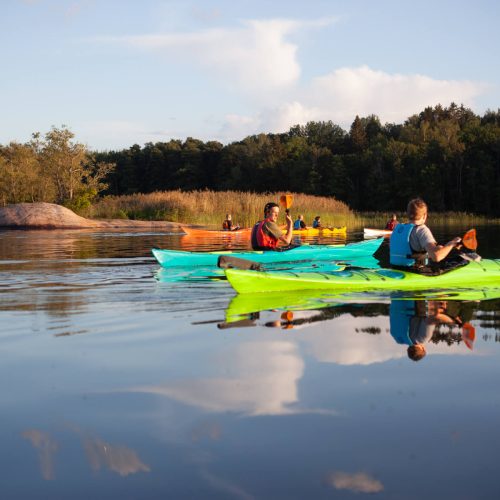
(289, 220)
(455, 242)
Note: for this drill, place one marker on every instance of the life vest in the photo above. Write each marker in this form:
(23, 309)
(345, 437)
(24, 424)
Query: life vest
(400, 315)
(400, 252)
(296, 224)
(260, 239)
(225, 225)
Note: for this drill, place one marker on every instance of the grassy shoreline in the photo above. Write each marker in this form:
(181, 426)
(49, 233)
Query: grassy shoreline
(208, 208)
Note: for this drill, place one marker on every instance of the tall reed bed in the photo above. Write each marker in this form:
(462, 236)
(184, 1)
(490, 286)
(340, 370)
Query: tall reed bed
(210, 207)
(444, 219)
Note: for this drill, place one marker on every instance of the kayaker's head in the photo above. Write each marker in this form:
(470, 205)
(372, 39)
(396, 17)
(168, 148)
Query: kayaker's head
(228, 216)
(273, 213)
(416, 352)
(417, 211)
(269, 206)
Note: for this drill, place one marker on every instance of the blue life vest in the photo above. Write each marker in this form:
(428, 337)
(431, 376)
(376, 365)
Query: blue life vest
(400, 252)
(400, 314)
(296, 224)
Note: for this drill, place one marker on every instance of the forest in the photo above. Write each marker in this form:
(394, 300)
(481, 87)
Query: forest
(449, 156)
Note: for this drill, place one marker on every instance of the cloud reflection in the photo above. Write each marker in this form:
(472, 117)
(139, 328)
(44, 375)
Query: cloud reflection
(46, 448)
(264, 381)
(358, 482)
(119, 459)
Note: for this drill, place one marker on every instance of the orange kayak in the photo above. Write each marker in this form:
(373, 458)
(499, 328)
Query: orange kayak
(210, 233)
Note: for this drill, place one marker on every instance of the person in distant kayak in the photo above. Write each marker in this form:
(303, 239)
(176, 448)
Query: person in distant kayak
(228, 225)
(267, 235)
(412, 245)
(317, 222)
(299, 223)
(392, 223)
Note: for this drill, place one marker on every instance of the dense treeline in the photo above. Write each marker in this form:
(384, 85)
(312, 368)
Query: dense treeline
(450, 156)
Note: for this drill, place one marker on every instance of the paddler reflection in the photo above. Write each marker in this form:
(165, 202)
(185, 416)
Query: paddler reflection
(415, 323)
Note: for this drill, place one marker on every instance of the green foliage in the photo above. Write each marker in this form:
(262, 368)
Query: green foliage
(54, 169)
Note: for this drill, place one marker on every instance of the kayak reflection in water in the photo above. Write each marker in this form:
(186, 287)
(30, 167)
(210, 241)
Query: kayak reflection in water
(417, 322)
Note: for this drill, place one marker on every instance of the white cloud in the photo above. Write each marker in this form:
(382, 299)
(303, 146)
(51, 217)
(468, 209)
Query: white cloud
(258, 61)
(347, 92)
(255, 57)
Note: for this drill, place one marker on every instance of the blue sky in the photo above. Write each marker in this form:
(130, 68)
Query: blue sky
(119, 73)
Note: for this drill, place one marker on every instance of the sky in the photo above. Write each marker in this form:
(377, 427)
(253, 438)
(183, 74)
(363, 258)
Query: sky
(124, 72)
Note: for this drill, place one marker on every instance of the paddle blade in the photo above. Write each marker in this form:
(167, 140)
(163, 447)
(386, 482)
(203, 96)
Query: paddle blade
(286, 201)
(468, 335)
(469, 239)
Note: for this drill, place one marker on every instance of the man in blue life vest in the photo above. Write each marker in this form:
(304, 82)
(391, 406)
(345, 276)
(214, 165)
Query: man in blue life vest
(299, 223)
(412, 245)
(267, 235)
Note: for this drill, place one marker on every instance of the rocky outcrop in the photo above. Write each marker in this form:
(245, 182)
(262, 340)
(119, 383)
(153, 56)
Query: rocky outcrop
(51, 216)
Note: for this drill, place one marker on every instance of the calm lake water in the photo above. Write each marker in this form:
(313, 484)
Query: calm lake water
(119, 381)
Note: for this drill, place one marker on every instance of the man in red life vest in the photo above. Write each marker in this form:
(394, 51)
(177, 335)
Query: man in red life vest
(266, 234)
(392, 223)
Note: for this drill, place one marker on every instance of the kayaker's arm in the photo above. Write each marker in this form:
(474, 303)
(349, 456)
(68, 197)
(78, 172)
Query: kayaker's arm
(287, 237)
(438, 252)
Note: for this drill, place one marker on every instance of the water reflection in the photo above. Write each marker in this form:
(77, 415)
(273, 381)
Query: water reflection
(100, 454)
(115, 458)
(46, 447)
(415, 323)
(261, 379)
(357, 483)
(170, 392)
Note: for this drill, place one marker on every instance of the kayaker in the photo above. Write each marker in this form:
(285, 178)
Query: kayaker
(227, 225)
(391, 224)
(299, 223)
(267, 235)
(317, 222)
(412, 245)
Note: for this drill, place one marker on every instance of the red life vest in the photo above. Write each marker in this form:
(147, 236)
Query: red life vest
(260, 239)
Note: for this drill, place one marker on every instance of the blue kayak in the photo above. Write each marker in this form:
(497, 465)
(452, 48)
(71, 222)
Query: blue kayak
(351, 251)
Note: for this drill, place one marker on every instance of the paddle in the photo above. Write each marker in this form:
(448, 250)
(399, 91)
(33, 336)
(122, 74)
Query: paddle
(468, 335)
(230, 262)
(286, 201)
(469, 240)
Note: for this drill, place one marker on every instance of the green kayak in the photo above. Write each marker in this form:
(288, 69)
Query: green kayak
(473, 275)
(180, 258)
